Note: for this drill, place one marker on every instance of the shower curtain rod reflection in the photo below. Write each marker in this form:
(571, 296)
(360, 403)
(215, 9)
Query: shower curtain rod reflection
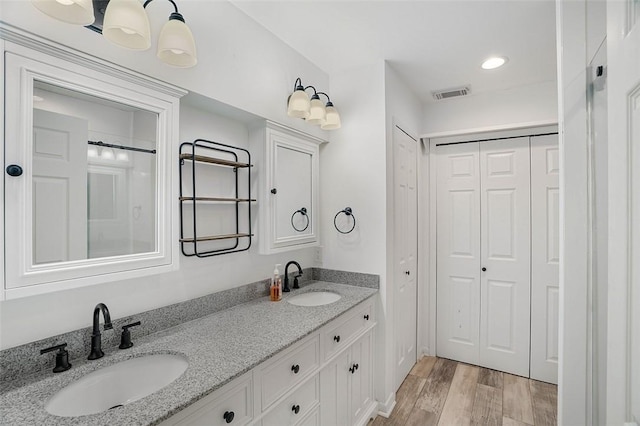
(127, 148)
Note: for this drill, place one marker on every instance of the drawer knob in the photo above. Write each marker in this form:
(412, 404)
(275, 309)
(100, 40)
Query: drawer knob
(336, 338)
(366, 317)
(228, 416)
(295, 368)
(295, 409)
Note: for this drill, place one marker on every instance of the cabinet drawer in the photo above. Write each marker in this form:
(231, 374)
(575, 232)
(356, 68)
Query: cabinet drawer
(230, 405)
(341, 334)
(287, 370)
(294, 408)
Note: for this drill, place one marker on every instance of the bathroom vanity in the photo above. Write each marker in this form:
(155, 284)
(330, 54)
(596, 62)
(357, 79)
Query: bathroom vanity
(268, 363)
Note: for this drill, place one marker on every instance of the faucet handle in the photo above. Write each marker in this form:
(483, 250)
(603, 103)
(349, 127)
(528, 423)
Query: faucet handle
(62, 357)
(125, 338)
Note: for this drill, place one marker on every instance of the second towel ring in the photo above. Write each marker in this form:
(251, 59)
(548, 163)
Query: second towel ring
(347, 212)
(303, 212)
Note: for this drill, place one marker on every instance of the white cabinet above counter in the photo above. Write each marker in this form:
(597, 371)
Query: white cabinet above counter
(288, 174)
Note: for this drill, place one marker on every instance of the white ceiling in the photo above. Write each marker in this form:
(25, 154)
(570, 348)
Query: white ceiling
(433, 44)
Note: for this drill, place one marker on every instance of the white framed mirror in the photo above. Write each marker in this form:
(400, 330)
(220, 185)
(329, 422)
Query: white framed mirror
(92, 203)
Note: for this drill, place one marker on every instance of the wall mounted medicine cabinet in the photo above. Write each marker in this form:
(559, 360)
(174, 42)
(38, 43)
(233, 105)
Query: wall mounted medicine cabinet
(88, 170)
(287, 189)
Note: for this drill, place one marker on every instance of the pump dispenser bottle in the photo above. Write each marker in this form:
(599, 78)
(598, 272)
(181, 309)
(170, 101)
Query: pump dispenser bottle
(275, 291)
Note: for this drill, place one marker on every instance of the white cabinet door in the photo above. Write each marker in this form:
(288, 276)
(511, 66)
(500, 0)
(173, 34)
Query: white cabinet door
(545, 257)
(505, 255)
(458, 252)
(405, 248)
(361, 378)
(346, 385)
(334, 391)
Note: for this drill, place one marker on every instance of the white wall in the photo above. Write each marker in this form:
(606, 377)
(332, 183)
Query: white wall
(517, 107)
(353, 174)
(240, 63)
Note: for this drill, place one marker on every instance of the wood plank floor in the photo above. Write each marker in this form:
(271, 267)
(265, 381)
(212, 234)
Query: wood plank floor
(442, 392)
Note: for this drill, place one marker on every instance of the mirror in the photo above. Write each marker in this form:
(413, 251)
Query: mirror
(93, 176)
(88, 191)
(293, 178)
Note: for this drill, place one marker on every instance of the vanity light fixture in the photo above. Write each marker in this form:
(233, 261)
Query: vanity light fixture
(313, 110)
(494, 62)
(126, 24)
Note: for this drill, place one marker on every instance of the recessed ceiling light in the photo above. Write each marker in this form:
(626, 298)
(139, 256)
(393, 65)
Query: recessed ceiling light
(494, 62)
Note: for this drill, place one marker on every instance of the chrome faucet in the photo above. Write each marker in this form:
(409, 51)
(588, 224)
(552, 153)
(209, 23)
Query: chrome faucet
(295, 278)
(96, 342)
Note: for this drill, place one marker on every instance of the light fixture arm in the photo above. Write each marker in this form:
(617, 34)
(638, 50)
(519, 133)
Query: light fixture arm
(175, 6)
(328, 99)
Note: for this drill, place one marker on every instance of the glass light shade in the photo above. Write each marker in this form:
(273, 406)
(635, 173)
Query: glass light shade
(79, 12)
(176, 45)
(317, 112)
(126, 24)
(299, 104)
(107, 154)
(92, 152)
(332, 120)
(122, 156)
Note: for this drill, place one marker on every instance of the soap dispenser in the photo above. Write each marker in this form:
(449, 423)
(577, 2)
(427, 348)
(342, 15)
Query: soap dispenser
(275, 291)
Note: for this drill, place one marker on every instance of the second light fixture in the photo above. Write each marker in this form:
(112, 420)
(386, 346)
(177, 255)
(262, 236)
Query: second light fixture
(313, 110)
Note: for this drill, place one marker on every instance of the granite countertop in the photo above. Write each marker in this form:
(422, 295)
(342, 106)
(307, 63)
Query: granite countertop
(219, 348)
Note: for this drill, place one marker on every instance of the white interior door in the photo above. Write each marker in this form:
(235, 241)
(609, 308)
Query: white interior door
(405, 253)
(458, 251)
(505, 249)
(545, 257)
(623, 357)
(59, 187)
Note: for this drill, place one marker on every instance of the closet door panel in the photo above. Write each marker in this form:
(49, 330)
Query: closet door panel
(545, 241)
(505, 247)
(458, 252)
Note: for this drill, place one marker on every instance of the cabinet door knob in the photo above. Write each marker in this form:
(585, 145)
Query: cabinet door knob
(295, 409)
(484, 269)
(274, 191)
(228, 416)
(336, 338)
(366, 317)
(295, 368)
(14, 170)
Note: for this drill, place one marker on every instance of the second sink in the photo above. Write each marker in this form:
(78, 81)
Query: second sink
(117, 385)
(314, 298)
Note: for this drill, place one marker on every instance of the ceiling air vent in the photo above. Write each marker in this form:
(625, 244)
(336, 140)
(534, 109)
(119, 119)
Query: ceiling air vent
(452, 93)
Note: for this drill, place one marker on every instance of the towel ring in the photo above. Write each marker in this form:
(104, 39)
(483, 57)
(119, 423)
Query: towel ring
(303, 212)
(347, 212)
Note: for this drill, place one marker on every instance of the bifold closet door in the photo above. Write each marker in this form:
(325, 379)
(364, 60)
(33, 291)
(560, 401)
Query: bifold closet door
(505, 276)
(458, 252)
(483, 222)
(545, 257)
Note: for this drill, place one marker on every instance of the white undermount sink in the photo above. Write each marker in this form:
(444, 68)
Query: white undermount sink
(116, 385)
(314, 298)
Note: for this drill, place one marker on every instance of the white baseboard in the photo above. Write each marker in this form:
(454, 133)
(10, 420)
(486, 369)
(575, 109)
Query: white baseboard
(385, 409)
(370, 413)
